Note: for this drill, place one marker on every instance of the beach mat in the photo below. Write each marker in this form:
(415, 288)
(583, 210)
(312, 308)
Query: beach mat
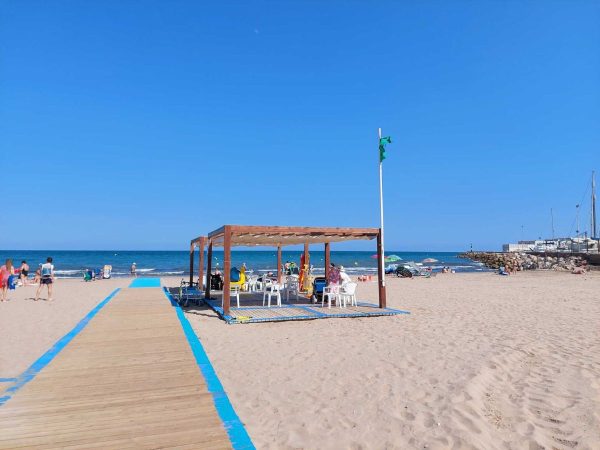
(145, 283)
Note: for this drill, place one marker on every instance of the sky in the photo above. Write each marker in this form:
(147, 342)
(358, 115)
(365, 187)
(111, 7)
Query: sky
(142, 124)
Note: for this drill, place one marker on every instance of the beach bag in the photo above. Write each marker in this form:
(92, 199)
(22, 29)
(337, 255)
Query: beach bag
(12, 282)
(234, 275)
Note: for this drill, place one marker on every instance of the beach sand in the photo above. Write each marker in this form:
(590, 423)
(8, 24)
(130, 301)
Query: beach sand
(29, 328)
(482, 362)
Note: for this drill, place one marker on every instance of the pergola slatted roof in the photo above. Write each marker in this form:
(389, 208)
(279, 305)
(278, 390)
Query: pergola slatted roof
(279, 235)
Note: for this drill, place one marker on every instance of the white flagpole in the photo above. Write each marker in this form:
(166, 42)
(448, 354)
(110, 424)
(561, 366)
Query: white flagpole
(381, 213)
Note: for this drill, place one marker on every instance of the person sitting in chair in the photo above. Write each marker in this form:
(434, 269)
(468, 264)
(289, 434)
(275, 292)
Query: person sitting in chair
(333, 278)
(216, 280)
(344, 277)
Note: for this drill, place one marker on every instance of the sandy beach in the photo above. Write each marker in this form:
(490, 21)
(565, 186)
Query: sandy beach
(29, 328)
(482, 362)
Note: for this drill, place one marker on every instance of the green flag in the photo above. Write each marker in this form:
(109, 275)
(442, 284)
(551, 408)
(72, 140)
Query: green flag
(382, 142)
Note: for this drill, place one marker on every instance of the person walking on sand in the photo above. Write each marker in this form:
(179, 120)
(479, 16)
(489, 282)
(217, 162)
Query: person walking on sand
(133, 269)
(47, 273)
(5, 272)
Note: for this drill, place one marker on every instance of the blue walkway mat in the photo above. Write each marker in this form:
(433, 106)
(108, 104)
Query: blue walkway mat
(253, 314)
(145, 283)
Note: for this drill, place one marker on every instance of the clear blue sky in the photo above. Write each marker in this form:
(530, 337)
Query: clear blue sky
(139, 124)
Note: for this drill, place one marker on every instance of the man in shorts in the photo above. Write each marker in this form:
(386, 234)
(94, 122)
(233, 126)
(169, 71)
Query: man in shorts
(47, 278)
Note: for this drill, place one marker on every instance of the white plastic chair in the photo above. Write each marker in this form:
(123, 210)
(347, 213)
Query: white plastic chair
(331, 292)
(252, 283)
(234, 291)
(292, 285)
(260, 285)
(348, 292)
(271, 289)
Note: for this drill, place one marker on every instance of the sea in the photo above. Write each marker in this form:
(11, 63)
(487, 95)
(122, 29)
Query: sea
(71, 264)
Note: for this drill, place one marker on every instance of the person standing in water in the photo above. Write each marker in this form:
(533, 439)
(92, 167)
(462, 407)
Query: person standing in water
(133, 270)
(47, 274)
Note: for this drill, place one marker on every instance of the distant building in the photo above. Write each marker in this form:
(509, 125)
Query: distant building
(554, 245)
(519, 247)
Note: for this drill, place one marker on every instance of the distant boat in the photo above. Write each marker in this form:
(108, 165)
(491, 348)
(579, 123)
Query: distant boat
(430, 260)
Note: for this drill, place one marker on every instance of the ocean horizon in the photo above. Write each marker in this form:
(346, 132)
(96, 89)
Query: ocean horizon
(72, 263)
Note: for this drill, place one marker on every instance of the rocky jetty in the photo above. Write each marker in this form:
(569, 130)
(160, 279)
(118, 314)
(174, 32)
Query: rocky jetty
(515, 261)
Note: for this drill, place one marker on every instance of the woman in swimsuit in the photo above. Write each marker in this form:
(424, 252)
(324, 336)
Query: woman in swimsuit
(5, 271)
(24, 272)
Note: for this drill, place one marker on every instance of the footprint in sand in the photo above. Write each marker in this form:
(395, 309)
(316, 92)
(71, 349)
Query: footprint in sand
(527, 392)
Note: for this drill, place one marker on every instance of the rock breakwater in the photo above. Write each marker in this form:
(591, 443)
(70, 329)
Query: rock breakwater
(516, 261)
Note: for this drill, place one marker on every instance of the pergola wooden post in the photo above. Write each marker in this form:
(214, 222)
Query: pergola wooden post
(201, 262)
(192, 262)
(279, 264)
(306, 256)
(208, 269)
(327, 259)
(380, 282)
(226, 269)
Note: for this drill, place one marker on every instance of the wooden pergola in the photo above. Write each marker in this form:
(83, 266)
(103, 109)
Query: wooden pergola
(276, 236)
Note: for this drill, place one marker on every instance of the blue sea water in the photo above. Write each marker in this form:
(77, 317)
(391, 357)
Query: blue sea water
(70, 264)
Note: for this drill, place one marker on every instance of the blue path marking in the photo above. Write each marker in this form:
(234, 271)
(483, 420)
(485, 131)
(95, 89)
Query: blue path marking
(314, 310)
(233, 425)
(310, 310)
(47, 357)
(145, 283)
(7, 380)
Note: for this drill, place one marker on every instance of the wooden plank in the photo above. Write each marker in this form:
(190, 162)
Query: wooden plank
(327, 259)
(128, 380)
(208, 269)
(305, 269)
(282, 235)
(192, 246)
(201, 245)
(198, 239)
(279, 264)
(226, 270)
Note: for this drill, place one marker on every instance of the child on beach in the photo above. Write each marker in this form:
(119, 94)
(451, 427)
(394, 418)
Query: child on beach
(5, 272)
(47, 278)
(37, 277)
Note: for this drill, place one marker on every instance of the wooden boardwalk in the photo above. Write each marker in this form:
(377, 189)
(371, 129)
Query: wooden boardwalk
(127, 380)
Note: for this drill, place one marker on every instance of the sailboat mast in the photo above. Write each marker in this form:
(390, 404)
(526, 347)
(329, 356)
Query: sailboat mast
(594, 235)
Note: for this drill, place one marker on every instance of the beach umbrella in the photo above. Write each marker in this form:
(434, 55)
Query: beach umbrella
(430, 260)
(392, 258)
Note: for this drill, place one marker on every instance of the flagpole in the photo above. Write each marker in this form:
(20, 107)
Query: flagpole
(381, 216)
